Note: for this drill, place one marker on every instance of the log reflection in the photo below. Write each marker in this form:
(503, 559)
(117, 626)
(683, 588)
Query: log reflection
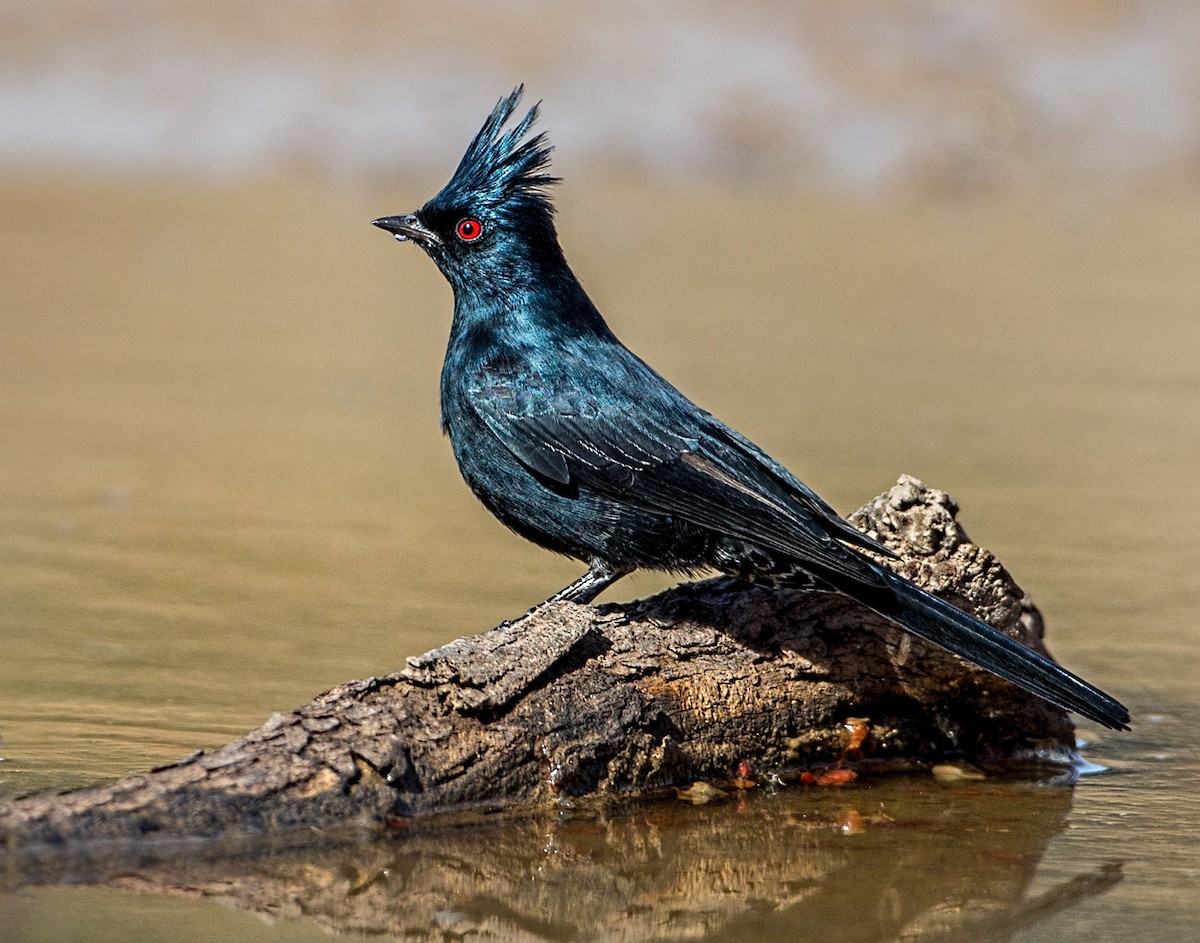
(908, 859)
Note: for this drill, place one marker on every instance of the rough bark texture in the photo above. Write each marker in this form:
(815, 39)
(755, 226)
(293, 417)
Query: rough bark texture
(714, 681)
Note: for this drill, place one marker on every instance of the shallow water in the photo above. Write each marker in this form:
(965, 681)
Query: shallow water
(224, 490)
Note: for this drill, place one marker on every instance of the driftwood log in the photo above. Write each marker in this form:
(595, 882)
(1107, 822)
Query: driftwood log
(714, 682)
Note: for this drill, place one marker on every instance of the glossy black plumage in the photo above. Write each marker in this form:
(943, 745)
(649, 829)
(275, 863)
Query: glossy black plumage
(576, 444)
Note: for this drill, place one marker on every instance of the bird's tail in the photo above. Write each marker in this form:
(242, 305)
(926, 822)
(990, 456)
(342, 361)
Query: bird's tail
(935, 620)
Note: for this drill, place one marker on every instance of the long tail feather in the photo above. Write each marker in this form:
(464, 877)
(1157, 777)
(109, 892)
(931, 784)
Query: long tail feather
(937, 621)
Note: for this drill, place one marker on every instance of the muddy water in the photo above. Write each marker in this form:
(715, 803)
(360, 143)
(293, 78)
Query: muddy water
(223, 489)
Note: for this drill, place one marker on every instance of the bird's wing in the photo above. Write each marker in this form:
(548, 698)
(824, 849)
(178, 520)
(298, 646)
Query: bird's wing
(664, 455)
(792, 485)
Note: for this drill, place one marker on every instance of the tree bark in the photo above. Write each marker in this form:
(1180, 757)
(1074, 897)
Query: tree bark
(716, 682)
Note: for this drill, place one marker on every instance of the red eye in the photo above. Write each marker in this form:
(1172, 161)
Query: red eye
(468, 230)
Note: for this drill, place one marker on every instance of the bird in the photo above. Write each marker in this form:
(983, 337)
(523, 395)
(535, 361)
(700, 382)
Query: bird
(578, 445)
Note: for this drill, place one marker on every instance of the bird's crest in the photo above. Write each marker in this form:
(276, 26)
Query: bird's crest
(499, 167)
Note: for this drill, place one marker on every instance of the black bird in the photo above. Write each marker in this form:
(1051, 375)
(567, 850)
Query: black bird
(576, 444)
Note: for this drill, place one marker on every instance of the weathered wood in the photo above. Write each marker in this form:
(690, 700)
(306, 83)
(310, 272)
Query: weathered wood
(713, 681)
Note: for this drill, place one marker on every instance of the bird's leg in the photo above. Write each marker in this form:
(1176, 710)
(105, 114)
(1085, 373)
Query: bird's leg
(599, 577)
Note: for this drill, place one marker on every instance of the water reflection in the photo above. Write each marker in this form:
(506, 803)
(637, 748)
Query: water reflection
(907, 860)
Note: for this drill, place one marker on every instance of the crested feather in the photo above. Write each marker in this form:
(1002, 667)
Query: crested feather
(500, 167)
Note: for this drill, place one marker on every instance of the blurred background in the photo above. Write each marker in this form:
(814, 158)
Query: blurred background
(870, 97)
(953, 240)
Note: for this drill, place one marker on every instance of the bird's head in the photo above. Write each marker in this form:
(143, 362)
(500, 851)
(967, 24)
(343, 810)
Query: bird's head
(493, 223)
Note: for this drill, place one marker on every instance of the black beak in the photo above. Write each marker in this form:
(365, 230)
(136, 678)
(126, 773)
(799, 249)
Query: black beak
(407, 227)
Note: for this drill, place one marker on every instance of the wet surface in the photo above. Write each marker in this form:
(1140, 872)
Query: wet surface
(892, 859)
